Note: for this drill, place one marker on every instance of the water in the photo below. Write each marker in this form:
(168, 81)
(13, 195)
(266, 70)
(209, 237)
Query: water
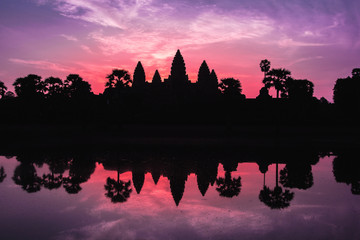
(161, 196)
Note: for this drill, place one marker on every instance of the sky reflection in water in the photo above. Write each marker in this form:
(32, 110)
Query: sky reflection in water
(326, 210)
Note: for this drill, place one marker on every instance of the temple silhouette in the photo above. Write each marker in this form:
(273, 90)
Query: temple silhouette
(130, 99)
(177, 87)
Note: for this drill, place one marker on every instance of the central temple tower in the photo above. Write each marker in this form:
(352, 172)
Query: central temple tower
(178, 79)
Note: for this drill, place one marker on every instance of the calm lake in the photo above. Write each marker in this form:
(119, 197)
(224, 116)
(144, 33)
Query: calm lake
(253, 194)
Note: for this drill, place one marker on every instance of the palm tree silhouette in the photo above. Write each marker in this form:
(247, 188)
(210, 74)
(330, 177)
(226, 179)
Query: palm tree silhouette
(277, 78)
(119, 78)
(277, 198)
(118, 191)
(265, 66)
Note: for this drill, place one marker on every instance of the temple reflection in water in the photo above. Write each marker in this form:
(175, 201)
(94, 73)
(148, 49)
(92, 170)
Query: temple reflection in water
(71, 171)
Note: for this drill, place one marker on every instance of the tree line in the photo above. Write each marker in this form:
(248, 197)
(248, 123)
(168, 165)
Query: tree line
(127, 97)
(74, 86)
(72, 171)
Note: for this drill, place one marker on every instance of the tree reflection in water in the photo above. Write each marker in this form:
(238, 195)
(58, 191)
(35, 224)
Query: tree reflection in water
(2, 174)
(228, 187)
(25, 175)
(277, 198)
(297, 175)
(72, 172)
(50, 181)
(81, 168)
(346, 169)
(117, 191)
(57, 166)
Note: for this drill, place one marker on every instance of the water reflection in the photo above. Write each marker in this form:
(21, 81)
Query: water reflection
(118, 191)
(71, 171)
(229, 187)
(2, 174)
(346, 169)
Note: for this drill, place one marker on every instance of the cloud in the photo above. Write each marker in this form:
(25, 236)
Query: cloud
(69, 37)
(86, 49)
(46, 65)
(288, 42)
(304, 60)
(161, 42)
(108, 13)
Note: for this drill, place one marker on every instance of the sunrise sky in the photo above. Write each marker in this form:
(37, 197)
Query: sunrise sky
(315, 39)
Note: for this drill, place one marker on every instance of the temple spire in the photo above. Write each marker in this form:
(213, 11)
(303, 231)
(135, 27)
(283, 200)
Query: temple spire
(139, 76)
(178, 70)
(156, 80)
(204, 74)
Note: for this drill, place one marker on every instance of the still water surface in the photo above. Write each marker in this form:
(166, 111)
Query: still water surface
(72, 197)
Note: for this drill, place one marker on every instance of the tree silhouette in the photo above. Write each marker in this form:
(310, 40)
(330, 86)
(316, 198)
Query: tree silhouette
(72, 185)
(277, 78)
(346, 169)
(297, 175)
(277, 198)
(299, 89)
(9, 95)
(230, 87)
(119, 79)
(355, 72)
(228, 187)
(29, 87)
(346, 92)
(57, 167)
(3, 89)
(2, 174)
(50, 181)
(25, 175)
(79, 172)
(76, 87)
(53, 86)
(118, 191)
(265, 66)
